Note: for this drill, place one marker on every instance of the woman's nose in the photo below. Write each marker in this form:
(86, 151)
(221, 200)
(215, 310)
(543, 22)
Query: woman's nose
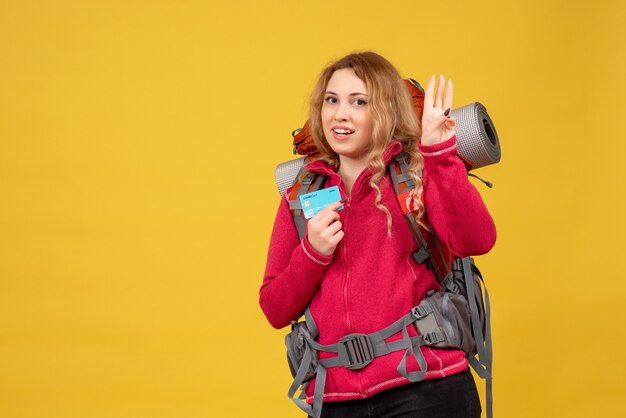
(341, 112)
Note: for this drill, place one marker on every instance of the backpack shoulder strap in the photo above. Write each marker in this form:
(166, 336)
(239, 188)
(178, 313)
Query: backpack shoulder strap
(309, 183)
(426, 240)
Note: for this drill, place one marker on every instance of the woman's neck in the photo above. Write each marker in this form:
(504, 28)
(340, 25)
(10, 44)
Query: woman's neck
(349, 170)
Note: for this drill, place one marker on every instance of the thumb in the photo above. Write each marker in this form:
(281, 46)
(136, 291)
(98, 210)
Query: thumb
(450, 122)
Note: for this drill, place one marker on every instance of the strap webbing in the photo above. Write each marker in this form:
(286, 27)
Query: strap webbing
(297, 382)
(484, 364)
(307, 358)
(310, 323)
(317, 181)
(424, 252)
(440, 251)
(410, 344)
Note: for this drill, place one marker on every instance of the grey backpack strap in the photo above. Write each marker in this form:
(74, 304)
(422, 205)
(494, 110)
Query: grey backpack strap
(484, 364)
(355, 351)
(310, 322)
(295, 205)
(314, 410)
(440, 251)
(424, 252)
(413, 346)
(298, 380)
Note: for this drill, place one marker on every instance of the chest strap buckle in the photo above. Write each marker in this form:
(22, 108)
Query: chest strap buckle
(355, 351)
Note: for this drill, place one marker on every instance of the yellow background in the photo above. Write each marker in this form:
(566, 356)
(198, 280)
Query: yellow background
(138, 141)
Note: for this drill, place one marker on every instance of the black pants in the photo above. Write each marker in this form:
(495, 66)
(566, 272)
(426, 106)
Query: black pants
(451, 397)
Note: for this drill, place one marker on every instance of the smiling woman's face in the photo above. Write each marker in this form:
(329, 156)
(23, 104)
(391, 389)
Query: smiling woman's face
(346, 116)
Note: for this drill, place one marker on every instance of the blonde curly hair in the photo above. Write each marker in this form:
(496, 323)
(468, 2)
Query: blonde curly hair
(394, 119)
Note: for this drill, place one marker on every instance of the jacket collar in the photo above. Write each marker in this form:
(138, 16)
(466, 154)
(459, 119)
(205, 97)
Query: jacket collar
(321, 167)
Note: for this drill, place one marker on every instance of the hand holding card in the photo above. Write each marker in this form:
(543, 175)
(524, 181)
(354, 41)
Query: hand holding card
(324, 229)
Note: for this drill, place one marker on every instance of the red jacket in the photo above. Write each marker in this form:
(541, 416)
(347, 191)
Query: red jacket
(371, 280)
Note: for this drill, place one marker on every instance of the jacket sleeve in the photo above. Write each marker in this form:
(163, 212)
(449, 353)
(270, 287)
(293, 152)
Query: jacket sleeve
(454, 206)
(292, 273)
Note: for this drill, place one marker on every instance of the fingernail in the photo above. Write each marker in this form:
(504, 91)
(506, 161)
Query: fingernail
(342, 201)
(447, 112)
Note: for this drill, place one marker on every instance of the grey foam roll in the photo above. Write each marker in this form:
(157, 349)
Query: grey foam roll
(286, 173)
(477, 139)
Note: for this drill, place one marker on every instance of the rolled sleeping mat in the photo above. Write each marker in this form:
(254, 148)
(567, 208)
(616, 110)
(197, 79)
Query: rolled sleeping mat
(476, 136)
(287, 172)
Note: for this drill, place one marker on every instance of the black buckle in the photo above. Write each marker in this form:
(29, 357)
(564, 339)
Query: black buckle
(422, 255)
(433, 338)
(457, 265)
(421, 311)
(355, 351)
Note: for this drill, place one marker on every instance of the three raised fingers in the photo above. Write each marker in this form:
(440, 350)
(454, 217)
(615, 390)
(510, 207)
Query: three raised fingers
(439, 101)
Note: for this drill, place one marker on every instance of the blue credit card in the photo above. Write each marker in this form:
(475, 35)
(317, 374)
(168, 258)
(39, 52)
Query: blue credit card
(314, 202)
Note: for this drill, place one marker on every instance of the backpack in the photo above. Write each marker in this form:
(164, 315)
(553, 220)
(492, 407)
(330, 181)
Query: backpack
(458, 316)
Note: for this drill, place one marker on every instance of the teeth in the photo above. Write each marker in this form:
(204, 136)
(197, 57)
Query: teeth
(343, 131)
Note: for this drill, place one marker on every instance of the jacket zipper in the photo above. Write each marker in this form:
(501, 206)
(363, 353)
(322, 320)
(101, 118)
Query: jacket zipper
(345, 262)
(347, 283)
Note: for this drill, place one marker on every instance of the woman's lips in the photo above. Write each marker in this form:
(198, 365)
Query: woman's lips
(342, 133)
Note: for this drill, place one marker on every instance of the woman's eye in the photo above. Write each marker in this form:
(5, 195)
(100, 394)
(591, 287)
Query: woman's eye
(360, 102)
(331, 100)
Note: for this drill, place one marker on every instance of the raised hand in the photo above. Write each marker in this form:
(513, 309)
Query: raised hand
(437, 123)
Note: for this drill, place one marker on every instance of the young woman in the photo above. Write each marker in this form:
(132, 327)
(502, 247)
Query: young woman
(355, 266)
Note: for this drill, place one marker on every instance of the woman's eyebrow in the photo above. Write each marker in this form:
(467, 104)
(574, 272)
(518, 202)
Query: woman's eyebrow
(351, 94)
